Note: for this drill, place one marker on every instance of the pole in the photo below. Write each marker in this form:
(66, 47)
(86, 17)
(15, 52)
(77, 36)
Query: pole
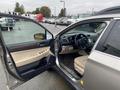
(64, 7)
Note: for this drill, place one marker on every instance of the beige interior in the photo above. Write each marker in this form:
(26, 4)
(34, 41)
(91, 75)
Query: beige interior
(68, 49)
(79, 64)
(29, 56)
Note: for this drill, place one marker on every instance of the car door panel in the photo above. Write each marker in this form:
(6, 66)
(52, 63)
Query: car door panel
(102, 72)
(28, 45)
(30, 56)
(31, 62)
(103, 67)
(25, 48)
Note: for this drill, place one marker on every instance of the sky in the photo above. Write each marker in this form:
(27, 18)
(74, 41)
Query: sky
(73, 6)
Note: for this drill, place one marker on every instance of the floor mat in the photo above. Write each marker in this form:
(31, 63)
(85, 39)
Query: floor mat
(68, 60)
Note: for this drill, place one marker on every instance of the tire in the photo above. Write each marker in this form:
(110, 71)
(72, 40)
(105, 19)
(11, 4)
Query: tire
(4, 28)
(11, 28)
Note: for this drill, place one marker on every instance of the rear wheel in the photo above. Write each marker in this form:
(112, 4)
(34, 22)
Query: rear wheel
(11, 28)
(6, 28)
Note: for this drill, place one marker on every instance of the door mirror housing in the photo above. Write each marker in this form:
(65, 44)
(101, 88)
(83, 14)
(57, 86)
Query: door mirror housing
(39, 36)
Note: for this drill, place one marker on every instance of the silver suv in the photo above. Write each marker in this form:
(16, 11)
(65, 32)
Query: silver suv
(86, 53)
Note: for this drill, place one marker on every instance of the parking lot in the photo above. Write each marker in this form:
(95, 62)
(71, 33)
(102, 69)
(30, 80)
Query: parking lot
(55, 29)
(48, 80)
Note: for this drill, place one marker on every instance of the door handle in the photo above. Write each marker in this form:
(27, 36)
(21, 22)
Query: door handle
(41, 45)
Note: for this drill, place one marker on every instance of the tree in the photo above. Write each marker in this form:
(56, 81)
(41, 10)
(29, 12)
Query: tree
(45, 11)
(62, 13)
(22, 11)
(19, 9)
(37, 11)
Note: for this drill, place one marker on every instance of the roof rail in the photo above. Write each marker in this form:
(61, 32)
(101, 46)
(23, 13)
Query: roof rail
(111, 10)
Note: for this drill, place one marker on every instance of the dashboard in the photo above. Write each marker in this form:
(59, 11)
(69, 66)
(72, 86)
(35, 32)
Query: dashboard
(69, 39)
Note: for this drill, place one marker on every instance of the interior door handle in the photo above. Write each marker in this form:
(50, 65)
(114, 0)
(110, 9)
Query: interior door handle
(41, 45)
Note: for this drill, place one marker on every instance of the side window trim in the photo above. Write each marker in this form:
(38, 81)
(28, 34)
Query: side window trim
(104, 37)
(83, 22)
(109, 26)
(18, 27)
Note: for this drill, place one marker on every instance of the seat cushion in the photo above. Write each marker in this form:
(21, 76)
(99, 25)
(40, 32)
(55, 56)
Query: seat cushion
(79, 64)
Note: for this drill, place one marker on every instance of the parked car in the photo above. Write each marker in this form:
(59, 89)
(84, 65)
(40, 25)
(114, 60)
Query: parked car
(71, 20)
(78, 19)
(62, 20)
(44, 20)
(52, 20)
(65, 21)
(58, 20)
(49, 20)
(7, 23)
(86, 54)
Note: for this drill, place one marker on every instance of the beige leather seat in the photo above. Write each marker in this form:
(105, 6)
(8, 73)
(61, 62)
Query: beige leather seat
(79, 64)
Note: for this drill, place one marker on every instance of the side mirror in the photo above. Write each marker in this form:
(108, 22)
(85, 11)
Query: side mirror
(39, 36)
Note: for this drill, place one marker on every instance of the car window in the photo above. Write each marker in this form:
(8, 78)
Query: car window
(92, 27)
(111, 45)
(100, 27)
(17, 31)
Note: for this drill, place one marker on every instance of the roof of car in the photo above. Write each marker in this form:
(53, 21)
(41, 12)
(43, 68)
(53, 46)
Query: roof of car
(110, 10)
(102, 16)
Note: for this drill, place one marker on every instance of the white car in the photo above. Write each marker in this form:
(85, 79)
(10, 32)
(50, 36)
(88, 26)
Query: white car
(7, 23)
(71, 20)
(52, 21)
(62, 21)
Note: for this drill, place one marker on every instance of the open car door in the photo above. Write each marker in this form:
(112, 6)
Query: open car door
(24, 46)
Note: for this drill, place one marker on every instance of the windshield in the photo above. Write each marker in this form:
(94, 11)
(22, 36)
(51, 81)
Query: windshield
(93, 27)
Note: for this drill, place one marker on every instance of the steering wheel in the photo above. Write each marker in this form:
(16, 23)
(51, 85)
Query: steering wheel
(82, 41)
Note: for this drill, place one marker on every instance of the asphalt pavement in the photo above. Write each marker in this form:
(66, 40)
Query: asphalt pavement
(55, 29)
(48, 80)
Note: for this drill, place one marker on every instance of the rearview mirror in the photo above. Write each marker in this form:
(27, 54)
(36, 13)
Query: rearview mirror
(39, 36)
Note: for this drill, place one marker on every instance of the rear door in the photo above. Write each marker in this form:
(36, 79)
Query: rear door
(25, 49)
(102, 71)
